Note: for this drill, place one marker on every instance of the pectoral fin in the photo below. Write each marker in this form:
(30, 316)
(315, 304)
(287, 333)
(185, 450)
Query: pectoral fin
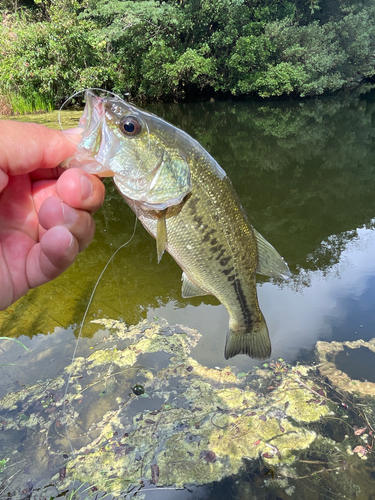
(190, 289)
(270, 262)
(161, 235)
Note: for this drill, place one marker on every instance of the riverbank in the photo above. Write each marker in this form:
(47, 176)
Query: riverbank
(178, 50)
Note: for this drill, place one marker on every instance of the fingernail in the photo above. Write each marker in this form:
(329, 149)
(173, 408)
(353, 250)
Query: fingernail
(71, 244)
(86, 187)
(73, 131)
(4, 179)
(69, 213)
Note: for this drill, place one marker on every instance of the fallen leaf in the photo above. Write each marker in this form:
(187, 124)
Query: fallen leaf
(360, 449)
(62, 474)
(208, 455)
(155, 474)
(358, 432)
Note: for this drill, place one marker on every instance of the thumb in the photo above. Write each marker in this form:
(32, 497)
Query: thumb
(25, 147)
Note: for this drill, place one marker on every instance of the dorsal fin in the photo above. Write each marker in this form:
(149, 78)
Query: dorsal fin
(270, 262)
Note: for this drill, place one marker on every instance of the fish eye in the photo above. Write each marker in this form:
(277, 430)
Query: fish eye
(130, 126)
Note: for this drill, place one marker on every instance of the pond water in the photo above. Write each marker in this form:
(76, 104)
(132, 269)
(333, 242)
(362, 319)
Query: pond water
(305, 174)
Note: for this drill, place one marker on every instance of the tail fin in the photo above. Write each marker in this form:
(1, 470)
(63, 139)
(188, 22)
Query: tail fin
(255, 342)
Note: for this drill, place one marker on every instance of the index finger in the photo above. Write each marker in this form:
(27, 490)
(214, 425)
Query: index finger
(25, 147)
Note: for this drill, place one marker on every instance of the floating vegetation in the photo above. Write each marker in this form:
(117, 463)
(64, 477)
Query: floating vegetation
(329, 352)
(150, 414)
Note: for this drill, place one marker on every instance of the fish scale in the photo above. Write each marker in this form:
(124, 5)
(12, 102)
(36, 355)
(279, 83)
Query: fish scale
(213, 241)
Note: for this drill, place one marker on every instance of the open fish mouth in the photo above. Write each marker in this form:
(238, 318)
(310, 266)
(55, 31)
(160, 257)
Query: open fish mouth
(89, 156)
(92, 113)
(96, 135)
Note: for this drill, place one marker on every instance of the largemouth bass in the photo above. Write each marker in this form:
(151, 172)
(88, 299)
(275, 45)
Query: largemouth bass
(187, 203)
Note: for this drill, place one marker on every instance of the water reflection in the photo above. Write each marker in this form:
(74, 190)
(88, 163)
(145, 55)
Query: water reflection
(299, 319)
(305, 174)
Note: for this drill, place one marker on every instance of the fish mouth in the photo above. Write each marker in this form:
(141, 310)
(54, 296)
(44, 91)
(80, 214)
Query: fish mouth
(92, 111)
(91, 137)
(91, 121)
(93, 152)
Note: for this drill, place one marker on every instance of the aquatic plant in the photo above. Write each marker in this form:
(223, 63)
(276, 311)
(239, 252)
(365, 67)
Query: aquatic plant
(200, 424)
(3, 461)
(328, 352)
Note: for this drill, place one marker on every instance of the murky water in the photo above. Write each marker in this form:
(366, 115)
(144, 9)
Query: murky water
(305, 173)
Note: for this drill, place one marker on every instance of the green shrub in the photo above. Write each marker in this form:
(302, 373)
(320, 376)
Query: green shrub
(46, 61)
(173, 48)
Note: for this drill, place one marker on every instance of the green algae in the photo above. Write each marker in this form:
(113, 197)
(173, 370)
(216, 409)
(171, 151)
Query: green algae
(327, 352)
(30, 394)
(199, 426)
(204, 425)
(39, 407)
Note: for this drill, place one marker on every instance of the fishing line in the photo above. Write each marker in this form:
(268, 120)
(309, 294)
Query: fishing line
(83, 322)
(116, 275)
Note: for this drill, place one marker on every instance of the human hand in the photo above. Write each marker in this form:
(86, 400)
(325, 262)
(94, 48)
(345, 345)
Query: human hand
(45, 212)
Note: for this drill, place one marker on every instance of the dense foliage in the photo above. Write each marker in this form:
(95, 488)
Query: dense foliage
(158, 49)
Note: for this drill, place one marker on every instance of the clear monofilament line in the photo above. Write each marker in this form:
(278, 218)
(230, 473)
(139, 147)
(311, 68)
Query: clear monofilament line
(83, 322)
(82, 92)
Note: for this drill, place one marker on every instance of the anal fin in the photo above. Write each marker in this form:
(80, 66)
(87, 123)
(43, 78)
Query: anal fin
(190, 289)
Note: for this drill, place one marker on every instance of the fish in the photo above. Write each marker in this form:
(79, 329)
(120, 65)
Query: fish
(186, 201)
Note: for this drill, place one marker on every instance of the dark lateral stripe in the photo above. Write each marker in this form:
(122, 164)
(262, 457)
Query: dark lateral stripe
(222, 252)
(213, 241)
(198, 220)
(243, 303)
(216, 248)
(207, 235)
(227, 271)
(193, 202)
(224, 261)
